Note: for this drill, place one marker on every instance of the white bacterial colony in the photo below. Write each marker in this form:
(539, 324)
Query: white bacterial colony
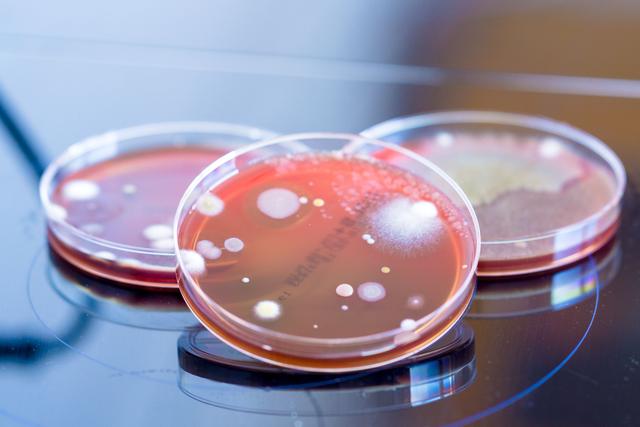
(129, 189)
(158, 231)
(267, 310)
(93, 229)
(207, 249)
(344, 290)
(408, 324)
(405, 225)
(209, 205)
(279, 203)
(371, 291)
(233, 244)
(415, 302)
(57, 213)
(194, 263)
(160, 236)
(80, 189)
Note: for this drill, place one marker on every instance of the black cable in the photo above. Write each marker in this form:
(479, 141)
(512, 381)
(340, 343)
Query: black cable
(22, 141)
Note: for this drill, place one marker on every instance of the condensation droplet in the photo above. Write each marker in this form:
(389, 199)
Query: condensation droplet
(318, 203)
(385, 269)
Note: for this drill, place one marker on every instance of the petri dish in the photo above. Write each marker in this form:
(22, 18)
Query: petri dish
(546, 194)
(324, 258)
(214, 373)
(110, 199)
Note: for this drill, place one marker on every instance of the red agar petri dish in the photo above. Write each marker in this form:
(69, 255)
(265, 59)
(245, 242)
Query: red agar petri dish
(546, 194)
(110, 200)
(324, 258)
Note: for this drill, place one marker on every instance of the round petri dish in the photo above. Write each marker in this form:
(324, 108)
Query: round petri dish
(546, 194)
(110, 199)
(323, 257)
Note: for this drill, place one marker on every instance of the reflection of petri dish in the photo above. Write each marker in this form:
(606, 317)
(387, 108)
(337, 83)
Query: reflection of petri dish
(214, 373)
(550, 291)
(546, 194)
(110, 199)
(130, 306)
(323, 258)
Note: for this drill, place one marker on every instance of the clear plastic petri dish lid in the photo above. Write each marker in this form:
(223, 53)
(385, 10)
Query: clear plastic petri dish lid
(110, 199)
(323, 257)
(546, 194)
(111, 302)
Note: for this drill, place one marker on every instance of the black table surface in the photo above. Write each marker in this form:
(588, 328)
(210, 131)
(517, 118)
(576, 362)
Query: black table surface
(541, 356)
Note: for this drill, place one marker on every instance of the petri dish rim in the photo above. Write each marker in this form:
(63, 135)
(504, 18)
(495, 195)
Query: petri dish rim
(128, 137)
(545, 124)
(464, 285)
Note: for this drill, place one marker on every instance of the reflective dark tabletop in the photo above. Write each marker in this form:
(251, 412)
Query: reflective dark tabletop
(559, 349)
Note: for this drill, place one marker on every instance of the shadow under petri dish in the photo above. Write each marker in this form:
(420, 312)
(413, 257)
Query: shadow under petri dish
(497, 298)
(110, 200)
(162, 310)
(545, 194)
(326, 260)
(214, 373)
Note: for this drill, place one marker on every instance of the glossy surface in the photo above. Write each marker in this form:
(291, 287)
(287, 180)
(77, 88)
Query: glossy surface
(546, 194)
(271, 271)
(61, 365)
(110, 199)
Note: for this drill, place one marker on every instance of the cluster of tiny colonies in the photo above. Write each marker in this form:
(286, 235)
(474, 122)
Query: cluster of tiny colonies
(281, 203)
(276, 203)
(158, 236)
